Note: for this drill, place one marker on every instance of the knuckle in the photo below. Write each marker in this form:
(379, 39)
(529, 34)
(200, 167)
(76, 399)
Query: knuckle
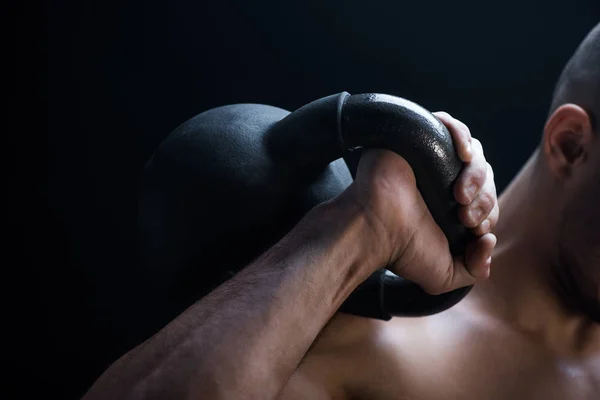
(465, 129)
(487, 201)
(464, 216)
(478, 176)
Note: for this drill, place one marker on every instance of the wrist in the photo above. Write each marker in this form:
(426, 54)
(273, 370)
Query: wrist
(351, 237)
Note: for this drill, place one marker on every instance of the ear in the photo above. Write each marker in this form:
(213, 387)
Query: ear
(567, 137)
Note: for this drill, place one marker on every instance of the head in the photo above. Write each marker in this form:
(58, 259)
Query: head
(570, 156)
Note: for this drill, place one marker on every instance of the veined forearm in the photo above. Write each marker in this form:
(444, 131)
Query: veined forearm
(246, 338)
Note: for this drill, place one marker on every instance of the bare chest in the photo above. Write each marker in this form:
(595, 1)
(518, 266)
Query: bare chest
(500, 381)
(489, 380)
(482, 367)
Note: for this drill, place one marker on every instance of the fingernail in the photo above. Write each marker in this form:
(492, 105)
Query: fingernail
(475, 215)
(485, 226)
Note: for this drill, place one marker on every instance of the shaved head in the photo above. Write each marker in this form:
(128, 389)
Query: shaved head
(570, 158)
(579, 82)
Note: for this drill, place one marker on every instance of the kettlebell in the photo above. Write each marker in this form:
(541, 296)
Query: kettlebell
(230, 182)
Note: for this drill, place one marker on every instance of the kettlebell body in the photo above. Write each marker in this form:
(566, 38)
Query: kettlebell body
(229, 183)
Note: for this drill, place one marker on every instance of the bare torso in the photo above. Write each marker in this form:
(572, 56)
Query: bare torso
(458, 354)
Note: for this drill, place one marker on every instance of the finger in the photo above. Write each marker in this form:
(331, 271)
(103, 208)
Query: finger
(472, 177)
(478, 211)
(479, 256)
(427, 261)
(461, 135)
(475, 264)
(489, 223)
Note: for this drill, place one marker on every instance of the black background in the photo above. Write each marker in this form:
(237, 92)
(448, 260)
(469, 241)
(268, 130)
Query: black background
(99, 85)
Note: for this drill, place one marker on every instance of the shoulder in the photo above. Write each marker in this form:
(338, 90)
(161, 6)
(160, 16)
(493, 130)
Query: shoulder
(352, 356)
(366, 358)
(351, 336)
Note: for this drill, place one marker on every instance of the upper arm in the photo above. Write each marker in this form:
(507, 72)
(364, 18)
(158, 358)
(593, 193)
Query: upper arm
(361, 358)
(333, 366)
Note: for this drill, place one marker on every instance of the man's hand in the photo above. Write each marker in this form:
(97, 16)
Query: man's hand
(247, 337)
(409, 240)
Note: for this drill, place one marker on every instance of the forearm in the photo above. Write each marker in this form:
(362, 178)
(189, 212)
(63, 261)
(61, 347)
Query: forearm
(246, 338)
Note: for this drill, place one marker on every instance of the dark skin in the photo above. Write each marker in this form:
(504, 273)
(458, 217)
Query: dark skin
(248, 337)
(529, 332)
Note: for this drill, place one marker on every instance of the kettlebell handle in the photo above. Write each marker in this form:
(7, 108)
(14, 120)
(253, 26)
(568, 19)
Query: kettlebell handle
(328, 129)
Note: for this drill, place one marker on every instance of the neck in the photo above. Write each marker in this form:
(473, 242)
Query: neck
(521, 290)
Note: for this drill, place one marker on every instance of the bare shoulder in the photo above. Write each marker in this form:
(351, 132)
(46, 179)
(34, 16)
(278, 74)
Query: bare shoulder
(350, 357)
(466, 352)
(357, 357)
(334, 360)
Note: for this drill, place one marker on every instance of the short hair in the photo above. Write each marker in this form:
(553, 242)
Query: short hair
(579, 82)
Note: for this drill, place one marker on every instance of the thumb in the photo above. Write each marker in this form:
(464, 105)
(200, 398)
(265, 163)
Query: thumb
(427, 261)
(469, 268)
(475, 264)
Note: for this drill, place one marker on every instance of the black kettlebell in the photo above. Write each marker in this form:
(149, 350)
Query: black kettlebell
(229, 183)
